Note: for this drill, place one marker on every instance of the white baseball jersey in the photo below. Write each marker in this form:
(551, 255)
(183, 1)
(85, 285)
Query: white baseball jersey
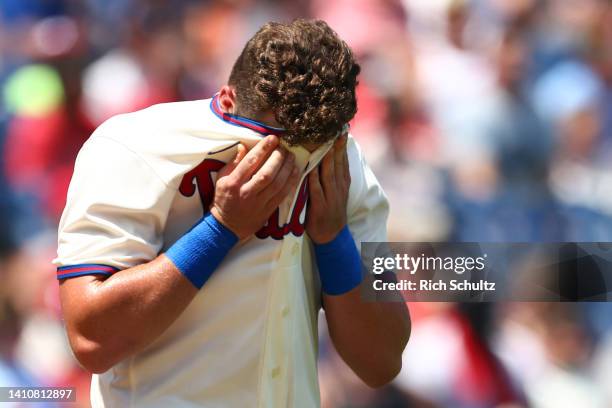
(249, 337)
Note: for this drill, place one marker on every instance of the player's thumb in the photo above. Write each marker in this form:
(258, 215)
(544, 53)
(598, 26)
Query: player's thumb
(241, 151)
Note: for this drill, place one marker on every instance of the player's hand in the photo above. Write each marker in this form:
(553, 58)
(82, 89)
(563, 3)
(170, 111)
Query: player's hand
(328, 188)
(252, 186)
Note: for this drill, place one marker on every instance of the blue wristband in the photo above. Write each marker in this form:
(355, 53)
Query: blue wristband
(339, 264)
(200, 251)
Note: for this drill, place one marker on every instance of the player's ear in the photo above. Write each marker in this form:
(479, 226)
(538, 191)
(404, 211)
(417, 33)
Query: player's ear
(227, 99)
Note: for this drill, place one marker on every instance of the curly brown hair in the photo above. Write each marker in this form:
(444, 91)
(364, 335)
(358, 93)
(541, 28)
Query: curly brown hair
(302, 72)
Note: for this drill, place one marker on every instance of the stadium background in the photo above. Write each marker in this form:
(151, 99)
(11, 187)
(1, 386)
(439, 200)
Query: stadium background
(485, 120)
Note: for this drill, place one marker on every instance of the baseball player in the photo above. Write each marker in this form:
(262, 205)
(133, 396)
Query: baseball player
(200, 239)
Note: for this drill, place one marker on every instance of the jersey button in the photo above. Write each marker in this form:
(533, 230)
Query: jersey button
(275, 372)
(285, 311)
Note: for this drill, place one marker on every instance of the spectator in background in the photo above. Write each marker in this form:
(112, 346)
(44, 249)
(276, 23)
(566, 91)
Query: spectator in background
(33, 350)
(547, 347)
(519, 206)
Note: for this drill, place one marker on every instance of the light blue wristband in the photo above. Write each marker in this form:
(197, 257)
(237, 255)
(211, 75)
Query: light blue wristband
(200, 251)
(339, 264)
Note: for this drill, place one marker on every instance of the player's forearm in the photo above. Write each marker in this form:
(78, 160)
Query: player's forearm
(369, 336)
(114, 318)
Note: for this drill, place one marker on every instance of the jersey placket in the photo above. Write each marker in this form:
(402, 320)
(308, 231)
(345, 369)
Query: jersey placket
(287, 303)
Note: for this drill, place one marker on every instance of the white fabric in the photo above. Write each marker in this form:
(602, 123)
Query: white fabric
(249, 338)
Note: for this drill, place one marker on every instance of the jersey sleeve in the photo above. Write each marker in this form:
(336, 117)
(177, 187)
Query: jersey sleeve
(115, 212)
(368, 207)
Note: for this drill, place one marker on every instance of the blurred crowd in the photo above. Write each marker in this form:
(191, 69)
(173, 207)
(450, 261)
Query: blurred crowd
(485, 120)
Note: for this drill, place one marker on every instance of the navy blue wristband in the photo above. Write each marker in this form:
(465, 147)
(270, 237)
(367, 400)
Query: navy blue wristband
(339, 264)
(200, 251)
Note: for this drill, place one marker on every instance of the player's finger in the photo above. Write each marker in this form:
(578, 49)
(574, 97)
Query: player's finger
(268, 171)
(241, 151)
(315, 191)
(328, 175)
(339, 150)
(287, 187)
(347, 168)
(255, 158)
(281, 179)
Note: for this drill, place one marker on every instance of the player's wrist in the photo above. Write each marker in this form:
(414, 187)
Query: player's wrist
(326, 238)
(198, 253)
(222, 220)
(323, 239)
(221, 231)
(218, 218)
(339, 263)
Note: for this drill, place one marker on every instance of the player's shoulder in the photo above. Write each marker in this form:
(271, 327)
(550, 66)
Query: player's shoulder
(160, 116)
(175, 110)
(362, 177)
(355, 153)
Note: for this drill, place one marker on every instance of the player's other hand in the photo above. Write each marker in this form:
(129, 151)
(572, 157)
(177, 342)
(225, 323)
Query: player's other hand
(328, 188)
(252, 186)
